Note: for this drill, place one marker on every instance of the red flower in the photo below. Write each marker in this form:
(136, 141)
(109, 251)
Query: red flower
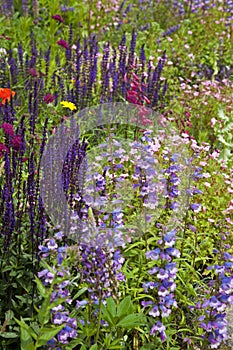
(3, 149)
(5, 95)
(8, 129)
(49, 98)
(63, 43)
(58, 18)
(133, 97)
(16, 142)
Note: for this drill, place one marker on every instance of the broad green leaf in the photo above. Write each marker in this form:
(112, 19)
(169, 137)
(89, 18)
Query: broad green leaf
(125, 307)
(24, 326)
(56, 303)
(41, 288)
(132, 321)
(94, 347)
(111, 307)
(106, 315)
(26, 340)
(9, 335)
(47, 334)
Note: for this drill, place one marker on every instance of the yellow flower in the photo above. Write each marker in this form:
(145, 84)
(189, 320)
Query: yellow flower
(69, 105)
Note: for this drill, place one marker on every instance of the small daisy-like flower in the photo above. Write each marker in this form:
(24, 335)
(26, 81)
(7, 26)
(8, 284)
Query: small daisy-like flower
(69, 105)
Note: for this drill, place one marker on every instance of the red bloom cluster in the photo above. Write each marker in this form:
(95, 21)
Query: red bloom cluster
(33, 72)
(58, 18)
(49, 98)
(63, 43)
(136, 96)
(8, 129)
(15, 140)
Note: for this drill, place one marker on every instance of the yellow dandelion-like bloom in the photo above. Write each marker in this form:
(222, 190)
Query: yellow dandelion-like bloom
(69, 105)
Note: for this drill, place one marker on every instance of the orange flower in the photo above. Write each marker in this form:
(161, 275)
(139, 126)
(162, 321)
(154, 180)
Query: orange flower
(5, 94)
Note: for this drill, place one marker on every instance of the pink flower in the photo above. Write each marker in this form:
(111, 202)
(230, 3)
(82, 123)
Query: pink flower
(146, 121)
(146, 99)
(58, 18)
(16, 142)
(213, 121)
(8, 129)
(63, 43)
(132, 97)
(49, 98)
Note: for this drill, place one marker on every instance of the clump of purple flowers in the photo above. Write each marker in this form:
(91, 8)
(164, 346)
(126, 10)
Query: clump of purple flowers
(219, 296)
(100, 270)
(163, 284)
(59, 313)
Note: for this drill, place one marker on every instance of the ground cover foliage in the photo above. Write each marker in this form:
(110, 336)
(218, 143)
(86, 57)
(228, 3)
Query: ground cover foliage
(157, 271)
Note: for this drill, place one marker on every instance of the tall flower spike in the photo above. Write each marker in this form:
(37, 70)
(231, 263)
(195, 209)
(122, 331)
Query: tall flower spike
(25, 7)
(132, 48)
(20, 54)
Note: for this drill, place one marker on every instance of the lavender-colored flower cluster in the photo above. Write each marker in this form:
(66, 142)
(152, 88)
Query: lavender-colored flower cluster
(163, 286)
(59, 314)
(219, 296)
(100, 270)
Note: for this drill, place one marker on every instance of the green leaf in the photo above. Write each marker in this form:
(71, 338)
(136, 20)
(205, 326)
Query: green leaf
(24, 326)
(125, 307)
(132, 321)
(47, 334)
(107, 316)
(26, 340)
(41, 288)
(80, 292)
(94, 347)
(73, 343)
(9, 335)
(111, 307)
(56, 303)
